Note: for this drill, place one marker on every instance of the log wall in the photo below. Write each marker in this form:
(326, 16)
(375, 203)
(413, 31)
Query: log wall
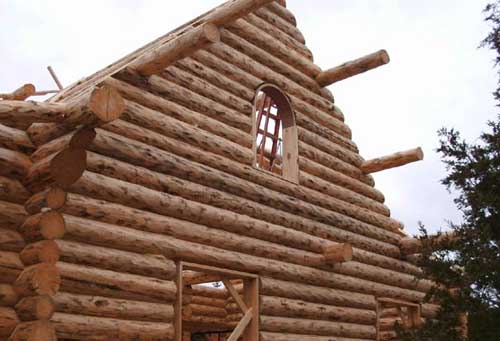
(111, 209)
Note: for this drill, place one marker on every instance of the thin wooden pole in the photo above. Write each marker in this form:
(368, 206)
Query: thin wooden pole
(54, 77)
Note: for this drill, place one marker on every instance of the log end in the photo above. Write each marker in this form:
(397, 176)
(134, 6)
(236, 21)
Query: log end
(52, 225)
(56, 198)
(106, 103)
(384, 56)
(34, 331)
(82, 138)
(419, 154)
(68, 166)
(40, 279)
(211, 33)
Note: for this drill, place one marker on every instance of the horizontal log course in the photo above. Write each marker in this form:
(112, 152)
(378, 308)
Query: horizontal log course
(39, 279)
(283, 25)
(14, 164)
(52, 197)
(94, 281)
(250, 73)
(234, 10)
(11, 215)
(352, 68)
(267, 42)
(15, 139)
(209, 301)
(149, 265)
(42, 133)
(203, 87)
(315, 327)
(339, 253)
(153, 61)
(204, 175)
(44, 251)
(212, 160)
(114, 308)
(35, 308)
(280, 10)
(206, 291)
(320, 171)
(8, 321)
(12, 190)
(393, 160)
(189, 251)
(20, 94)
(85, 327)
(46, 225)
(61, 169)
(192, 100)
(290, 42)
(11, 240)
(284, 307)
(205, 310)
(34, 331)
(8, 297)
(103, 104)
(265, 336)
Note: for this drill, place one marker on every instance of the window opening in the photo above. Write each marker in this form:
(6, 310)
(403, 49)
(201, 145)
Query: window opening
(391, 311)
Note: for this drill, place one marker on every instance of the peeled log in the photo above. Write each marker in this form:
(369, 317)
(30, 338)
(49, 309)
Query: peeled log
(8, 321)
(284, 307)
(63, 169)
(15, 139)
(52, 197)
(11, 240)
(95, 281)
(316, 327)
(45, 225)
(179, 47)
(102, 105)
(112, 307)
(40, 279)
(12, 190)
(107, 258)
(339, 253)
(8, 297)
(44, 251)
(393, 160)
(35, 308)
(14, 164)
(298, 337)
(411, 246)
(20, 94)
(352, 68)
(234, 10)
(85, 327)
(34, 331)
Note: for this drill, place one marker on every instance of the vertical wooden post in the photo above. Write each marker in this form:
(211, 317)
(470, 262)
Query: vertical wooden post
(178, 304)
(377, 321)
(251, 298)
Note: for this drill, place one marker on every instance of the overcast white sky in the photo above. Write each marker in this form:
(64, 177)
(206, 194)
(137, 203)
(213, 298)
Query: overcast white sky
(437, 77)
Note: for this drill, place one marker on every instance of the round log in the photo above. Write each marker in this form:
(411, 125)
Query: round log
(44, 251)
(11, 240)
(40, 279)
(52, 197)
(12, 190)
(45, 225)
(34, 331)
(393, 160)
(8, 321)
(35, 308)
(8, 297)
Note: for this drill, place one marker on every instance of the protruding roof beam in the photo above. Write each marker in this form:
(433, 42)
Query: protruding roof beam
(393, 160)
(353, 68)
(411, 246)
(102, 105)
(189, 42)
(20, 94)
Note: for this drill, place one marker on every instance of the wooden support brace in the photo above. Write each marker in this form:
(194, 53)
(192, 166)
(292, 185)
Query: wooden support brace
(234, 293)
(353, 68)
(193, 40)
(393, 160)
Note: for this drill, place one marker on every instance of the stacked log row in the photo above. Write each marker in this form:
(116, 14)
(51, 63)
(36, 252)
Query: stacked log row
(15, 148)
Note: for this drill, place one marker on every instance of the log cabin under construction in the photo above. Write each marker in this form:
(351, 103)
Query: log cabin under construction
(214, 154)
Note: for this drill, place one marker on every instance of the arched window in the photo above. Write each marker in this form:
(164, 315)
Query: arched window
(275, 142)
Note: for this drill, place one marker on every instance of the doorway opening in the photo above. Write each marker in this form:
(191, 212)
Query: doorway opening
(215, 304)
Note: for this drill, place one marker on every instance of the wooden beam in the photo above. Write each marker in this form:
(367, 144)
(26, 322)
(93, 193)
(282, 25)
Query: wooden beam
(234, 293)
(191, 41)
(411, 246)
(240, 328)
(102, 105)
(339, 253)
(54, 77)
(353, 68)
(234, 10)
(392, 160)
(20, 94)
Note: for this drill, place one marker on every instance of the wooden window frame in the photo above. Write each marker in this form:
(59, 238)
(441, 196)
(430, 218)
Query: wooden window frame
(413, 320)
(248, 327)
(290, 144)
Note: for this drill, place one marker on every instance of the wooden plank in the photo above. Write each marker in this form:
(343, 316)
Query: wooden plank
(236, 296)
(242, 325)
